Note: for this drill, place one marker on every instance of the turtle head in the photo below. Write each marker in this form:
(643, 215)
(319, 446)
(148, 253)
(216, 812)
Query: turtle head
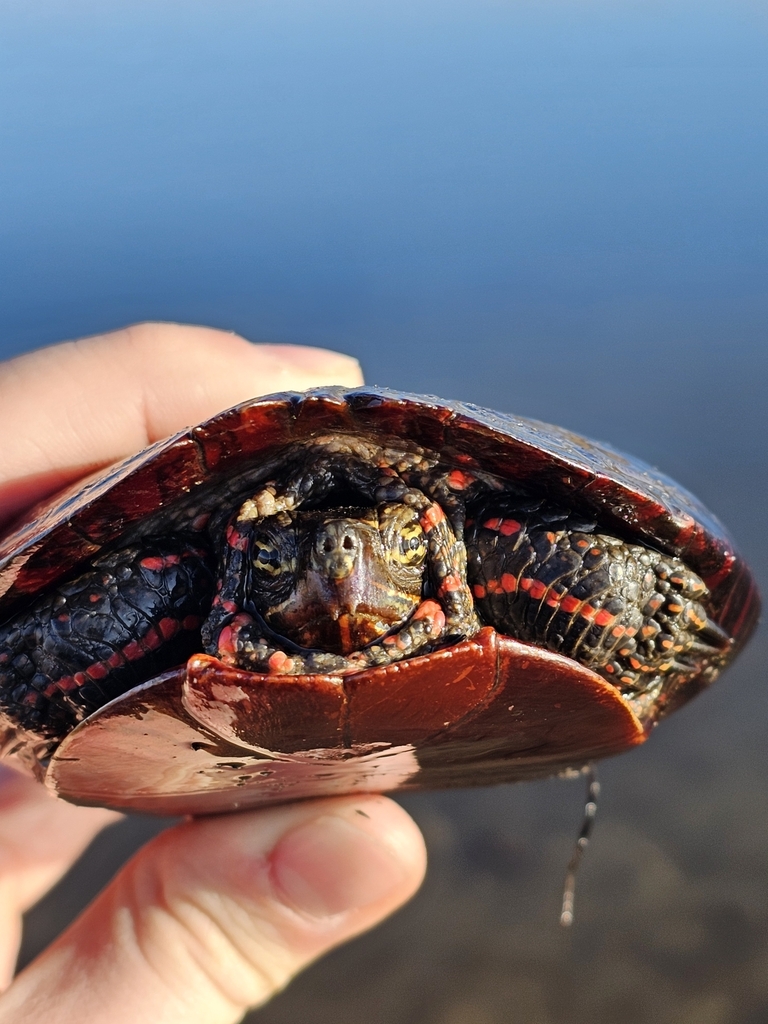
(337, 580)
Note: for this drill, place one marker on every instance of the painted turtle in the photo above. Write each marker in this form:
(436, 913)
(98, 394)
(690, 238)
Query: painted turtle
(337, 590)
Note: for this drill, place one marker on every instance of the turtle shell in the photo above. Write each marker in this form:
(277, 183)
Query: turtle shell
(206, 737)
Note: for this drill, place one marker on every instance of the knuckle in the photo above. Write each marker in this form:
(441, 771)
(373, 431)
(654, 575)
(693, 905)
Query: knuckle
(201, 942)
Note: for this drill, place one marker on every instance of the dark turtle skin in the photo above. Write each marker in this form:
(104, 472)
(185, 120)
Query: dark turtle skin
(356, 589)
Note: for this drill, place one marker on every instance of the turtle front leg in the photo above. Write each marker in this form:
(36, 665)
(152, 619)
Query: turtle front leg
(633, 615)
(133, 614)
(247, 643)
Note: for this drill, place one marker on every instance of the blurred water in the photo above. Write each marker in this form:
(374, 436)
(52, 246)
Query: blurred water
(557, 208)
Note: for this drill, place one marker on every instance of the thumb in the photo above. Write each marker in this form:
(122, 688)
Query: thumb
(218, 914)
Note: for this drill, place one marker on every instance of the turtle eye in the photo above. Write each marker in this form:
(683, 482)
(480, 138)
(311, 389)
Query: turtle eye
(273, 551)
(403, 535)
(268, 558)
(413, 545)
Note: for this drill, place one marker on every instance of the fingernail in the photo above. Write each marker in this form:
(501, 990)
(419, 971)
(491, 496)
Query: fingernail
(322, 361)
(331, 865)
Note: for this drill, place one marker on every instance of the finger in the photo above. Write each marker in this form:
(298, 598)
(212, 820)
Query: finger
(218, 914)
(40, 838)
(83, 404)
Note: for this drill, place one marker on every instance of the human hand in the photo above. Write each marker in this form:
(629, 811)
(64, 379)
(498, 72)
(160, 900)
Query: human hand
(215, 915)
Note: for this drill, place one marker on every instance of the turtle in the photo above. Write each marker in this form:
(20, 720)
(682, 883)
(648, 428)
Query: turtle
(355, 590)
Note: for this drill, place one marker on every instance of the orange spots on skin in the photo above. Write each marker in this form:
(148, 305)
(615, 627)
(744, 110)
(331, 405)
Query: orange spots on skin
(235, 539)
(431, 517)
(506, 527)
(433, 613)
(509, 527)
(152, 639)
(279, 662)
(508, 583)
(225, 644)
(537, 589)
(153, 564)
(167, 628)
(426, 609)
(156, 563)
(133, 651)
(479, 590)
(450, 584)
(604, 618)
(459, 480)
(64, 685)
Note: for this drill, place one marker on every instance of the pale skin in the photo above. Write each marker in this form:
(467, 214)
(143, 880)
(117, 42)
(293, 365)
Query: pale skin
(215, 915)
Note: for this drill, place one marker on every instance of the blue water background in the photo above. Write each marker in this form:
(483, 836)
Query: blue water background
(555, 208)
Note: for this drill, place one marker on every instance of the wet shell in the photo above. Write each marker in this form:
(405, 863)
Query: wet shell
(205, 737)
